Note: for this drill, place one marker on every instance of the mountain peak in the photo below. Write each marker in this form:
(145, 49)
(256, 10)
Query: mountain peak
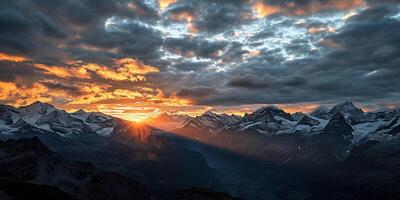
(270, 112)
(352, 113)
(80, 112)
(37, 108)
(347, 104)
(320, 109)
(209, 112)
(346, 107)
(298, 116)
(39, 103)
(271, 107)
(321, 112)
(338, 125)
(306, 120)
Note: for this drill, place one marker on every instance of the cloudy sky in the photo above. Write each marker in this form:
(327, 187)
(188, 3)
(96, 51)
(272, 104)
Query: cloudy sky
(137, 58)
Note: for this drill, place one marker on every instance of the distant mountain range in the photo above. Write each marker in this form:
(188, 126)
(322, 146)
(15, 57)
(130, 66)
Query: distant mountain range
(338, 153)
(274, 121)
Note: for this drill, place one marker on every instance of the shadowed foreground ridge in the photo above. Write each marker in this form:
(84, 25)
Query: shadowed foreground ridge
(28, 165)
(202, 194)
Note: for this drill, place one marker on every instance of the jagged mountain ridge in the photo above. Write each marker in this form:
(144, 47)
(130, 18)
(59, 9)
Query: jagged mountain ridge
(48, 118)
(209, 122)
(272, 120)
(168, 122)
(265, 121)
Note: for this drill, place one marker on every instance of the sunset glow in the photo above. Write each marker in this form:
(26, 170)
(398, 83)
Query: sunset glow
(12, 58)
(165, 3)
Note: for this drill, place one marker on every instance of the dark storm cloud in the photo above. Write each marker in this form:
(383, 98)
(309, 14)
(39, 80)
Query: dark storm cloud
(36, 28)
(197, 92)
(249, 82)
(253, 82)
(366, 65)
(234, 53)
(262, 35)
(50, 28)
(129, 38)
(298, 47)
(11, 71)
(218, 18)
(189, 47)
(90, 12)
(211, 17)
(15, 32)
(72, 90)
(362, 37)
(191, 66)
(12, 21)
(363, 67)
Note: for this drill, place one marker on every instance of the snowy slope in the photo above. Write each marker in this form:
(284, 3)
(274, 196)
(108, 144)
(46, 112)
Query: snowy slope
(48, 118)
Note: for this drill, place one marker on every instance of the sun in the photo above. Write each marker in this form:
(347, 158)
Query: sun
(135, 118)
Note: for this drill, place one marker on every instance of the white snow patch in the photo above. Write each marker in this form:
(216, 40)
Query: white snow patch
(363, 130)
(105, 131)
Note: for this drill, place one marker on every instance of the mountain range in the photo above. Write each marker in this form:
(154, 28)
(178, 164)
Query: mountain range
(274, 121)
(337, 153)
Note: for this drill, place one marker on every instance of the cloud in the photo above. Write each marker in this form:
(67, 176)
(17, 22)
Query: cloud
(211, 17)
(304, 7)
(12, 58)
(190, 47)
(165, 3)
(58, 86)
(188, 66)
(21, 95)
(125, 69)
(197, 92)
(12, 70)
(64, 72)
(125, 37)
(12, 21)
(249, 82)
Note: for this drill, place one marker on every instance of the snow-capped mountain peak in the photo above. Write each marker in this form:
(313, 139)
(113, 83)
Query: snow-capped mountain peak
(321, 112)
(346, 108)
(46, 118)
(210, 122)
(37, 108)
(352, 113)
(268, 114)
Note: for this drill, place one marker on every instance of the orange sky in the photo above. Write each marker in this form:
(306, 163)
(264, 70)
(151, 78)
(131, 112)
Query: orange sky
(264, 9)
